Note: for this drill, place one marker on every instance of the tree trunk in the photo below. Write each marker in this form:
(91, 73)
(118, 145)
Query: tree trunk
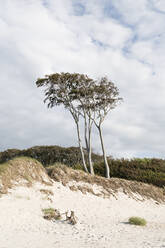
(87, 130)
(80, 146)
(85, 133)
(90, 151)
(107, 170)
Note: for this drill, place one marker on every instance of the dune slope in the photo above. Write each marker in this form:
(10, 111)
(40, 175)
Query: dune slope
(102, 220)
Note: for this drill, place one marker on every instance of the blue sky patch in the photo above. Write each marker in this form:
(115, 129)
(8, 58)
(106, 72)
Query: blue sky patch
(79, 9)
(111, 11)
(45, 3)
(99, 43)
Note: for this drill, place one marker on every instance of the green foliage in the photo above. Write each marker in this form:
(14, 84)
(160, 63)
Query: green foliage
(9, 154)
(137, 221)
(49, 155)
(145, 170)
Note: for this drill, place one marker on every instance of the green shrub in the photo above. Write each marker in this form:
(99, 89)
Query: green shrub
(150, 171)
(9, 154)
(48, 155)
(147, 170)
(137, 221)
(51, 214)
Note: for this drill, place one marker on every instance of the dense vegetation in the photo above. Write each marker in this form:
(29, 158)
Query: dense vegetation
(145, 170)
(49, 155)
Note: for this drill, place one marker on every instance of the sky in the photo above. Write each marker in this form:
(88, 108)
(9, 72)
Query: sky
(121, 39)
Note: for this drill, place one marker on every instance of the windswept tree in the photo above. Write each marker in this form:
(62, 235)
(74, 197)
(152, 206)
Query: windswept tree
(83, 94)
(70, 90)
(83, 97)
(103, 98)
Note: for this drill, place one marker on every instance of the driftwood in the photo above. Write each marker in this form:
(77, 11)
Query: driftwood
(72, 219)
(54, 214)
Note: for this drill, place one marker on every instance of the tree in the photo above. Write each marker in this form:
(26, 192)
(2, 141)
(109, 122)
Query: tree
(82, 93)
(83, 97)
(70, 90)
(103, 98)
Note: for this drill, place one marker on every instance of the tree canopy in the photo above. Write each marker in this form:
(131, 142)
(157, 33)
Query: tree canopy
(85, 98)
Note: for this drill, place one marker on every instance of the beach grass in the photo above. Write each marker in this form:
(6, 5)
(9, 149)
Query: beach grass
(137, 221)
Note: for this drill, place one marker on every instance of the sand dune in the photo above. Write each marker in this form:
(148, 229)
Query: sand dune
(101, 222)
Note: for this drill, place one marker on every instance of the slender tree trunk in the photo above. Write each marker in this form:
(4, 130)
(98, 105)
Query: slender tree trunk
(87, 136)
(107, 170)
(90, 150)
(85, 133)
(80, 146)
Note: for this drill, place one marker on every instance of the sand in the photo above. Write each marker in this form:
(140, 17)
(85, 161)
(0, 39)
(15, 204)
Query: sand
(102, 223)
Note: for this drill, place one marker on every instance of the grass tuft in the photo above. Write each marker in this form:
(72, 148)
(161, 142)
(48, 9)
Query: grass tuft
(51, 214)
(137, 221)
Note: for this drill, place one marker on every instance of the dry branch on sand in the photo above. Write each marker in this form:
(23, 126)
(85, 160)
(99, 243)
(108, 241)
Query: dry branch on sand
(72, 219)
(54, 214)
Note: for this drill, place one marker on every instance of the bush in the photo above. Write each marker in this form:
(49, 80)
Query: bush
(137, 221)
(150, 171)
(48, 155)
(145, 170)
(9, 154)
(51, 214)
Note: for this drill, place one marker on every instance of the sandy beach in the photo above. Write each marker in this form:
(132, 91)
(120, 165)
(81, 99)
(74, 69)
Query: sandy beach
(101, 223)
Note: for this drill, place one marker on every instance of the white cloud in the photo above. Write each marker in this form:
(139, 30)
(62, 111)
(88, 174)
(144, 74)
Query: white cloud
(159, 5)
(41, 37)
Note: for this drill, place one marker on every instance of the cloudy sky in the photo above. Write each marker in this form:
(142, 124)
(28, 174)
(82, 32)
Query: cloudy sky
(123, 39)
